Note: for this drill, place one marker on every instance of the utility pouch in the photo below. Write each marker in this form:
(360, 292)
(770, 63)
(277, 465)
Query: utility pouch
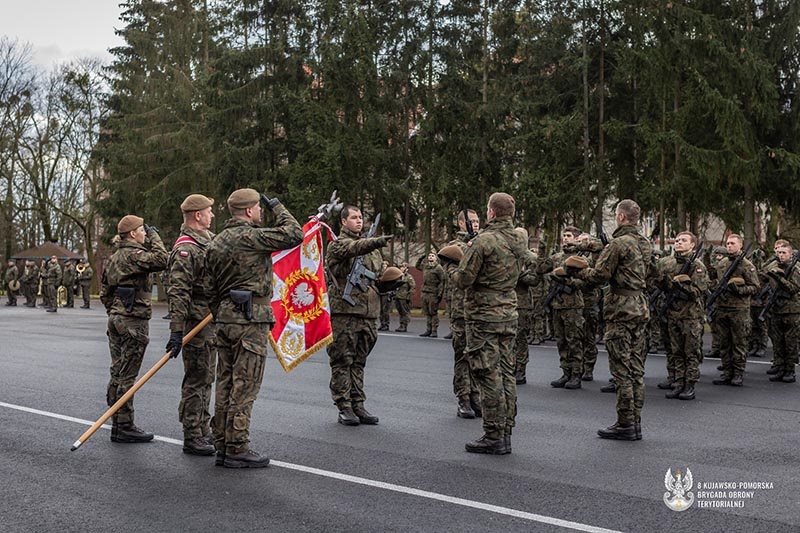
(127, 296)
(243, 302)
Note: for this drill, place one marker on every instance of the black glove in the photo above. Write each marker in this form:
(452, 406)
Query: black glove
(150, 229)
(572, 271)
(175, 343)
(269, 203)
(385, 239)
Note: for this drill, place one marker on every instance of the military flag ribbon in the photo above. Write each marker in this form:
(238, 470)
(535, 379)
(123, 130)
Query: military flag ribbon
(300, 300)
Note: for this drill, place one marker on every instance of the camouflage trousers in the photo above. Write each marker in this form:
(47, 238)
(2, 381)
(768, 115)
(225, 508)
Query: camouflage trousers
(463, 382)
(569, 330)
(784, 330)
(353, 340)
(11, 295)
(759, 331)
(241, 353)
(70, 296)
(85, 294)
(404, 310)
(590, 319)
(524, 326)
(625, 342)
(29, 291)
(538, 321)
(198, 376)
(52, 296)
(685, 337)
(430, 306)
(127, 342)
(386, 310)
(490, 354)
(733, 327)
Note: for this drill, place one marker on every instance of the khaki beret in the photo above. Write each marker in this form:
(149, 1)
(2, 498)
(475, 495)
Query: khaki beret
(576, 261)
(682, 278)
(243, 198)
(452, 253)
(129, 223)
(736, 281)
(391, 274)
(196, 202)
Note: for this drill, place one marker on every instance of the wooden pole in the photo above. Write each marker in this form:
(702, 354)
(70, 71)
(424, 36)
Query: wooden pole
(138, 385)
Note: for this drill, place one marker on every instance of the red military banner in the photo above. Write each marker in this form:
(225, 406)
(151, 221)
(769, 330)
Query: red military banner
(300, 300)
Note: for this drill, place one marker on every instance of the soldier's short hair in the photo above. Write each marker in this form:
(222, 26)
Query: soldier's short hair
(690, 234)
(573, 230)
(630, 209)
(461, 214)
(782, 243)
(502, 204)
(347, 209)
(735, 236)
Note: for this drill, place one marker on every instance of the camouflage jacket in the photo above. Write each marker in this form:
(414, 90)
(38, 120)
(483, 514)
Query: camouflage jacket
(689, 303)
(433, 277)
(738, 298)
(454, 296)
(187, 269)
(12, 274)
(624, 264)
(339, 261)
(240, 258)
(70, 274)
(53, 274)
(546, 266)
(130, 266)
(85, 277)
(528, 278)
(489, 272)
(30, 275)
(406, 288)
(789, 285)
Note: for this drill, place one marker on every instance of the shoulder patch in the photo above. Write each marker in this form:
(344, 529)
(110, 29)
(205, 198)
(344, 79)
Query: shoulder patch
(699, 270)
(184, 253)
(469, 244)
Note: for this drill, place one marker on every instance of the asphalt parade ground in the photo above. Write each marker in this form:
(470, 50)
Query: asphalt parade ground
(409, 473)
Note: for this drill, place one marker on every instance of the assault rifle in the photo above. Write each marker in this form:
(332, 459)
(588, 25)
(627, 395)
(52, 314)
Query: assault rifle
(360, 276)
(556, 293)
(471, 233)
(778, 295)
(711, 303)
(678, 294)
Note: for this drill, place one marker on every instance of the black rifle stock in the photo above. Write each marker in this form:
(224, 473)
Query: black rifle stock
(711, 304)
(777, 293)
(360, 276)
(559, 288)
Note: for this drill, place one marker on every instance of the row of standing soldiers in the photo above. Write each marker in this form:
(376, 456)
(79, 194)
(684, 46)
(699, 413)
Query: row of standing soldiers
(45, 280)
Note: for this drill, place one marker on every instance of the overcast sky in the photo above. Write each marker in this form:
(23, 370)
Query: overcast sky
(62, 30)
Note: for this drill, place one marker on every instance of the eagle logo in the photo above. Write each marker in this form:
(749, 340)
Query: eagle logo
(678, 496)
(302, 295)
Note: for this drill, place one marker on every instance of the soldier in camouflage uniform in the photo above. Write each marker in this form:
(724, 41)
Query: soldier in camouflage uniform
(238, 278)
(488, 274)
(718, 253)
(538, 292)
(187, 308)
(433, 285)
(387, 301)
(759, 332)
(85, 282)
(590, 249)
(68, 281)
(126, 295)
(685, 288)
(624, 264)
(567, 308)
(733, 313)
(354, 333)
(527, 280)
(53, 280)
(656, 328)
(402, 297)
(28, 282)
(465, 387)
(12, 275)
(784, 323)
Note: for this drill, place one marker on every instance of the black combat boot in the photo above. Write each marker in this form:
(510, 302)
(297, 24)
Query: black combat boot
(667, 384)
(574, 381)
(197, 446)
(348, 417)
(588, 375)
(560, 382)
(536, 341)
(677, 388)
(637, 427)
(464, 408)
(618, 432)
(383, 327)
(722, 380)
(402, 329)
(448, 336)
(611, 387)
(129, 433)
(789, 377)
(688, 392)
(737, 381)
(487, 445)
(364, 416)
(759, 352)
(220, 459)
(475, 403)
(426, 334)
(520, 378)
(507, 439)
(777, 376)
(245, 458)
(774, 370)
(433, 334)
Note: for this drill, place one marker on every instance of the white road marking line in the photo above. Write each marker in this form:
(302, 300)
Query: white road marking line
(542, 519)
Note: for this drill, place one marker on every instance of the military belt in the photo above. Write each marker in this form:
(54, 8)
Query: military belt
(625, 292)
(261, 300)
